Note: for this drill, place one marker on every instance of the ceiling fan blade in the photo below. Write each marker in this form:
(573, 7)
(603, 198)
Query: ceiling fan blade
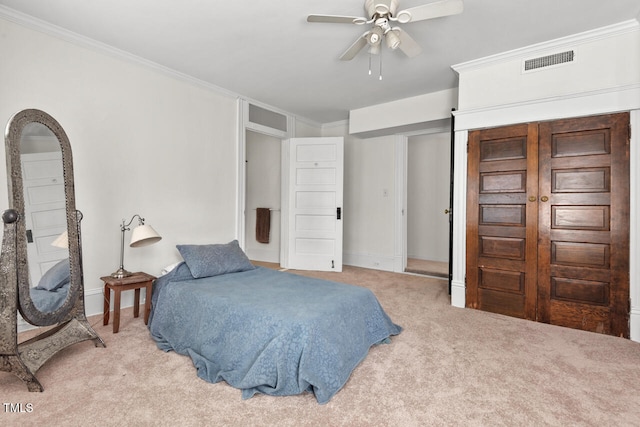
(430, 11)
(356, 47)
(407, 44)
(335, 19)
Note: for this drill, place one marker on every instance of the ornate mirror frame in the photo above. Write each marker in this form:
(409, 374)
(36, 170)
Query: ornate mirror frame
(69, 321)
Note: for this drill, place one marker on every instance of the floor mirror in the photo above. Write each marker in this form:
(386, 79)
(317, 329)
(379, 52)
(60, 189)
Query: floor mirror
(41, 275)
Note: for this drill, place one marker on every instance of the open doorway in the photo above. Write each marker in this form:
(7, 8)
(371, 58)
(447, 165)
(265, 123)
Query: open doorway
(263, 177)
(260, 140)
(428, 181)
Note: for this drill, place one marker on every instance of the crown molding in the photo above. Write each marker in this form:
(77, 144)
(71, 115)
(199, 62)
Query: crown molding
(624, 27)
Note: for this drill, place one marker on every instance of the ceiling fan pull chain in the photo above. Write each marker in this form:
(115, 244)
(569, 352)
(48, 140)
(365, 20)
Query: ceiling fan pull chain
(370, 63)
(380, 78)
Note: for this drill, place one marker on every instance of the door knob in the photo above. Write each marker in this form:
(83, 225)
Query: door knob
(447, 211)
(544, 198)
(532, 198)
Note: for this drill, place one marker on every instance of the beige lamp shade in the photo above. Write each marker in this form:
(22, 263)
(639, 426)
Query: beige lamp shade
(144, 235)
(62, 241)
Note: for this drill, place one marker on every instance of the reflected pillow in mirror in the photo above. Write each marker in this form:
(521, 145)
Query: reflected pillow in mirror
(216, 259)
(56, 276)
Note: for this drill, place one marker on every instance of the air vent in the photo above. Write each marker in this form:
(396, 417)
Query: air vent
(548, 61)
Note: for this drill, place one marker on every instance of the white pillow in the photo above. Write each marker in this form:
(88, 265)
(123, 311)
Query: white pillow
(169, 268)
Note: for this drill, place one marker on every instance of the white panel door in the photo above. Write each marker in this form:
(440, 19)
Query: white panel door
(315, 204)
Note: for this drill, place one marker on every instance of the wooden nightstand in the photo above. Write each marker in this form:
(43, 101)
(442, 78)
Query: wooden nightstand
(136, 281)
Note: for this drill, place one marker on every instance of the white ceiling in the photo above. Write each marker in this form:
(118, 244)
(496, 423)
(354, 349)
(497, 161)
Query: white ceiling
(266, 51)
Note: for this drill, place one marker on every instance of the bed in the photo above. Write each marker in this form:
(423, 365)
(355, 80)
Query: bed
(262, 330)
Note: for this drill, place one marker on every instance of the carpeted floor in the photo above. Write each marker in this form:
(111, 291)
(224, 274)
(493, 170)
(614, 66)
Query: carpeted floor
(449, 366)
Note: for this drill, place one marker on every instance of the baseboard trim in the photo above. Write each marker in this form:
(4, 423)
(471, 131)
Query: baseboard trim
(264, 255)
(634, 325)
(375, 262)
(458, 291)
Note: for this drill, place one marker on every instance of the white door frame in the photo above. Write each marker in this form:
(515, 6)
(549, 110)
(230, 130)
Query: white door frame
(400, 204)
(243, 126)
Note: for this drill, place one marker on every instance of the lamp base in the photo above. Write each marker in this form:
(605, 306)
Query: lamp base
(121, 273)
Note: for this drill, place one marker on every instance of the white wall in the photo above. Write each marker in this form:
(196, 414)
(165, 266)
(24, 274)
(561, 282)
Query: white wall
(606, 69)
(263, 190)
(306, 129)
(369, 174)
(142, 142)
(604, 59)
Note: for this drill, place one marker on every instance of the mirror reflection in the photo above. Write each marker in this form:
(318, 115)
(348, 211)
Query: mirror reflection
(45, 217)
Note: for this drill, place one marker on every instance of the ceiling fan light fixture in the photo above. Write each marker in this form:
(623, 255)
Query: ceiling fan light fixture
(393, 40)
(384, 7)
(381, 13)
(375, 36)
(403, 17)
(380, 7)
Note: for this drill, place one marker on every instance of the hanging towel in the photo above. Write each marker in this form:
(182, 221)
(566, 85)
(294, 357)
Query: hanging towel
(263, 224)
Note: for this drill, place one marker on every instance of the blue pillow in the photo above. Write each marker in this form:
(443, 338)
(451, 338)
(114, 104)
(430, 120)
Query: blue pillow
(213, 260)
(181, 273)
(56, 276)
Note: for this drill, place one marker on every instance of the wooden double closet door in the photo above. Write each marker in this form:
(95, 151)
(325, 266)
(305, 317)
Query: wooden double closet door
(548, 222)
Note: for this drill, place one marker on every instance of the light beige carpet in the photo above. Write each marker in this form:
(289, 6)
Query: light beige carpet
(449, 366)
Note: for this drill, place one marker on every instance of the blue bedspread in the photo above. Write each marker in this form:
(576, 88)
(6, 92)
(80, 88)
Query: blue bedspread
(48, 301)
(265, 331)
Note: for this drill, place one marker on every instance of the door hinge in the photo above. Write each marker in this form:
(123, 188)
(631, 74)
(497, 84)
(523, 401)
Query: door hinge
(333, 264)
(29, 236)
(339, 213)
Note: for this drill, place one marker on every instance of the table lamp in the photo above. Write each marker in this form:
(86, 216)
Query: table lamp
(142, 235)
(62, 241)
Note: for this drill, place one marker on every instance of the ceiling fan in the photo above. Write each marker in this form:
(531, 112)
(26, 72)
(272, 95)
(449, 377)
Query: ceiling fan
(382, 13)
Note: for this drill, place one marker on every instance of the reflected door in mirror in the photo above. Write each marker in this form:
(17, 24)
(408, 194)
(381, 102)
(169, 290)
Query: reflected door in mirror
(45, 213)
(44, 208)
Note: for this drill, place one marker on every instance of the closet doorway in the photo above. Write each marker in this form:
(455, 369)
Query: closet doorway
(428, 179)
(548, 222)
(262, 175)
